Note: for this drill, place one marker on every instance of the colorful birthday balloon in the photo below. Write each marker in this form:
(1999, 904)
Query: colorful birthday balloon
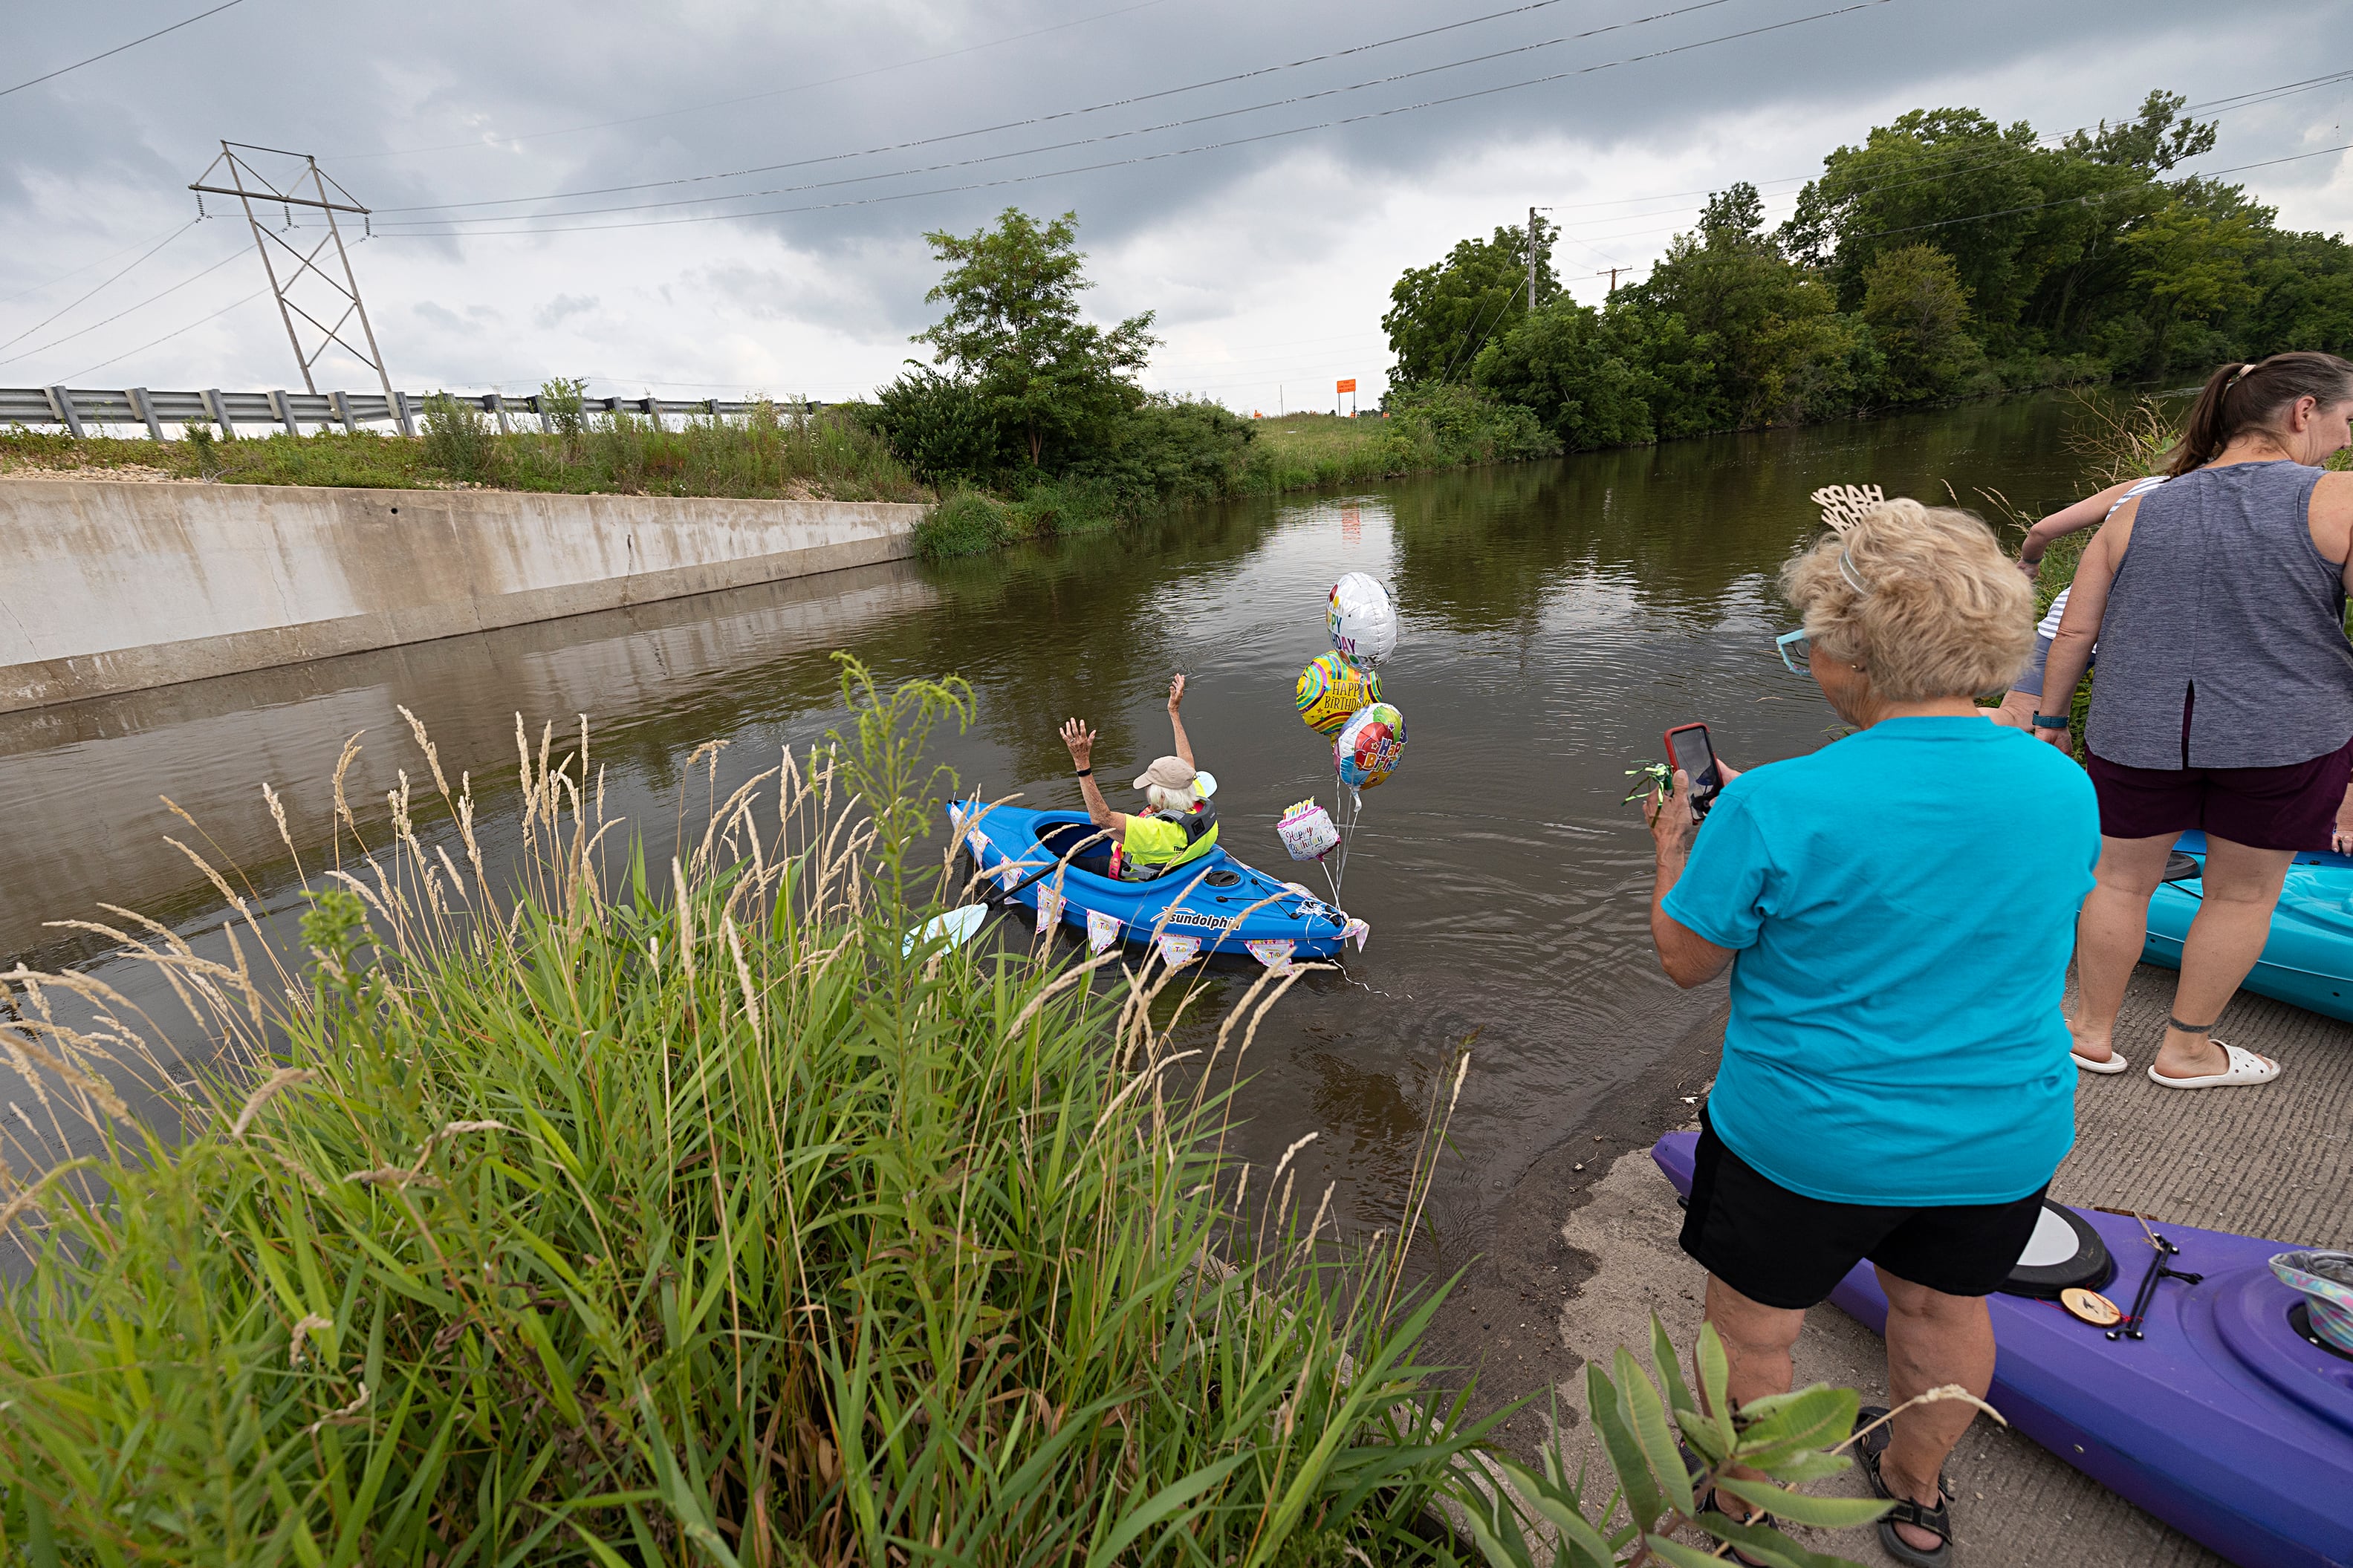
(1362, 621)
(1370, 745)
(1330, 689)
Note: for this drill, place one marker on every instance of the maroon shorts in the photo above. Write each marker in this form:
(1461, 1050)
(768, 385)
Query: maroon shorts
(2290, 807)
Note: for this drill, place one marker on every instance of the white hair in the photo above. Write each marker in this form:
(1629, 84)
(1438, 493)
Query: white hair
(1162, 798)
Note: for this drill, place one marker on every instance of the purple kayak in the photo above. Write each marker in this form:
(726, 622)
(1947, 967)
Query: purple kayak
(2226, 1420)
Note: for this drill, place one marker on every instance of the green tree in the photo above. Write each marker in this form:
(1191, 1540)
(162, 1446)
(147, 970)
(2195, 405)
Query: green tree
(2191, 266)
(1571, 369)
(1440, 316)
(2306, 286)
(1918, 311)
(1013, 330)
(1769, 327)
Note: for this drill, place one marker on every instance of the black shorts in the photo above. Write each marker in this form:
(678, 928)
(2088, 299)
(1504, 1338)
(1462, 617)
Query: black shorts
(1784, 1249)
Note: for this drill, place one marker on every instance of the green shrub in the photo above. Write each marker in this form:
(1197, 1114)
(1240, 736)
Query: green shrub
(561, 407)
(940, 426)
(1167, 452)
(965, 522)
(684, 1214)
(1447, 425)
(458, 440)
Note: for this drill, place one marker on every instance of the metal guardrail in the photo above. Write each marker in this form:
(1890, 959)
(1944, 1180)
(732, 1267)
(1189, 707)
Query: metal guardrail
(77, 409)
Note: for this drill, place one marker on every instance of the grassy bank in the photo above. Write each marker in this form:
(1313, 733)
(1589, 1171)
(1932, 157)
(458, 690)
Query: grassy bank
(1167, 455)
(1173, 455)
(680, 1211)
(775, 454)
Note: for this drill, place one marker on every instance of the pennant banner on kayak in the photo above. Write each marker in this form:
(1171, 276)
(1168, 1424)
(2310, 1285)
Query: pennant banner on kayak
(1009, 875)
(1273, 951)
(977, 840)
(1050, 908)
(1362, 931)
(1180, 951)
(1102, 930)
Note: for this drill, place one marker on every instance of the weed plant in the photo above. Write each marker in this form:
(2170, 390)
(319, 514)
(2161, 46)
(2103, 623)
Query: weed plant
(657, 1213)
(773, 453)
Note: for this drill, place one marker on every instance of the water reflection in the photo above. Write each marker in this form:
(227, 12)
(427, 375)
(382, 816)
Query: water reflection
(1556, 617)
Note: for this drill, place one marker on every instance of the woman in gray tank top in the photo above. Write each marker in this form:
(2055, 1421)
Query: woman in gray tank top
(2225, 696)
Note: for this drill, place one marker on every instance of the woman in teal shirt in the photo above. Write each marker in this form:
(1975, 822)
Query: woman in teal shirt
(1897, 911)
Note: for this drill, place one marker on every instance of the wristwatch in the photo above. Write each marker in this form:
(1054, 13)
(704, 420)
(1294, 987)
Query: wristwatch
(2052, 720)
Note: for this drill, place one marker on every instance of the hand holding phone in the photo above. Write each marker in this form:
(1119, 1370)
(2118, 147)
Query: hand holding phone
(1689, 752)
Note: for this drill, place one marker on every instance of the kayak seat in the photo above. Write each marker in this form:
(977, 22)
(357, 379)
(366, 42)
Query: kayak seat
(1058, 838)
(2064, 1250)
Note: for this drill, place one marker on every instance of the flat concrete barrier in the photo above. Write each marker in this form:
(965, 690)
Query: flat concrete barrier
(108, 586)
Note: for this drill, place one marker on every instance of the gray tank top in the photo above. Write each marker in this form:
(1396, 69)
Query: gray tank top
(2223, 609)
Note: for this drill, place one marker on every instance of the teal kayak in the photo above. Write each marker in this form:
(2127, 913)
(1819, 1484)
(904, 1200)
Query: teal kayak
(2309, 959)
(1043, 860)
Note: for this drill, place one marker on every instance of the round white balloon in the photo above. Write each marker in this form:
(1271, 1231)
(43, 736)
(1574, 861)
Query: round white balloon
(1362, 622)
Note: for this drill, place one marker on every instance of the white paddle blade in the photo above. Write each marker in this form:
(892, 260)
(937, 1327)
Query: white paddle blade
(955, 928)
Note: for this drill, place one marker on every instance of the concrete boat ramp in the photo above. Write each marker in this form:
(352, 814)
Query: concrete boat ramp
(1586, 1257)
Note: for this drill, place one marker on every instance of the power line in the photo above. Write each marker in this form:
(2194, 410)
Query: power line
(45, 321)
(1173, 152)
(2216, 106)
(2219, 106)
(118, 49)
(167, 337)
(117, 315)
(746, 98)
(73, 272)
(1074, 113)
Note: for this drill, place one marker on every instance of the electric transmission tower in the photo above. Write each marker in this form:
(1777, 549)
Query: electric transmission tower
(331, 303)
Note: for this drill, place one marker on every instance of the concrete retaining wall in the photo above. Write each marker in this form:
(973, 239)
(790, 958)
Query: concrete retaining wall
(107, 586)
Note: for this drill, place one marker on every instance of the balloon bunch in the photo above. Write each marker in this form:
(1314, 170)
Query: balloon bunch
(1339, 695)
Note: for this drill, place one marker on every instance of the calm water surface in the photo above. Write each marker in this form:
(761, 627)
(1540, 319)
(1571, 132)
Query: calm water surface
(1556, 617)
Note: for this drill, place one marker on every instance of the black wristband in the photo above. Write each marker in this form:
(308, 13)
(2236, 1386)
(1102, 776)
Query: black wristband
(1083, 774)
(2052, 722)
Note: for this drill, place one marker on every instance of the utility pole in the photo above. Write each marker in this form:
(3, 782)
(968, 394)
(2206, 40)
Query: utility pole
(1613, 277)
(343, 298)
(1532, 261)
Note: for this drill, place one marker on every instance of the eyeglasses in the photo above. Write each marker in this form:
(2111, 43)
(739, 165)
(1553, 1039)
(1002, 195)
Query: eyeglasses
(1796, 648)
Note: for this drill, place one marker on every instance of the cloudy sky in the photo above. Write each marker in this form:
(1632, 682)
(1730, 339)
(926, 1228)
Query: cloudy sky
(706, 197)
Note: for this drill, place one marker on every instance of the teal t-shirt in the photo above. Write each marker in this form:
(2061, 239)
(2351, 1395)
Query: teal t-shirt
(1902, 904)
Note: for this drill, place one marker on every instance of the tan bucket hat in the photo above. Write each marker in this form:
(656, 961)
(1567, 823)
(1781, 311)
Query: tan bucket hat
(1168, 773)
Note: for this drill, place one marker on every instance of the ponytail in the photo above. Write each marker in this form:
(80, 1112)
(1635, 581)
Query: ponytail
(2249, 396)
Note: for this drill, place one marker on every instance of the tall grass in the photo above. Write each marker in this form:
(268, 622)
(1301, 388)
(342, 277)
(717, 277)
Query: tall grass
(678, 1212)
(773, 453)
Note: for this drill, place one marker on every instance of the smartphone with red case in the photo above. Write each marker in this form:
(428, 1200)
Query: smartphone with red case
(1689, 750)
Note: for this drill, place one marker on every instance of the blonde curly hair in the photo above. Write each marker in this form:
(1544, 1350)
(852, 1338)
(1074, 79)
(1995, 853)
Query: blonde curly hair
(1921, 598)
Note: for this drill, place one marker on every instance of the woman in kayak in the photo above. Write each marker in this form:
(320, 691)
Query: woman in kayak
(2225, 696)
(1895, 1083)
(1181, 826)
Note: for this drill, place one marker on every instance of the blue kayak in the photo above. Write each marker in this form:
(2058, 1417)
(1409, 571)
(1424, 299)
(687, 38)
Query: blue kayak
(1198, 900)
(2227, 1420)
(2308, 960)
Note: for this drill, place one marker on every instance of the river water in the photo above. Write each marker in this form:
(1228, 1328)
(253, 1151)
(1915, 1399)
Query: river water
(1556, 617)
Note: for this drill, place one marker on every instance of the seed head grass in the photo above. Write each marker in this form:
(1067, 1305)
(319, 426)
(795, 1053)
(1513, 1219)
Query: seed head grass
(680, 1211)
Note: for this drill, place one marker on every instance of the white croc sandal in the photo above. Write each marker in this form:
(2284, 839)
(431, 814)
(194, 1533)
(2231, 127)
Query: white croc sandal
(2246, 1068)
(2116, 1062)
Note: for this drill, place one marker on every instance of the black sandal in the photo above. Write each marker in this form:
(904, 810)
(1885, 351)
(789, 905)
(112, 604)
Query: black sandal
(1694, 1466)
(1709, 1504)
(1936, 1521)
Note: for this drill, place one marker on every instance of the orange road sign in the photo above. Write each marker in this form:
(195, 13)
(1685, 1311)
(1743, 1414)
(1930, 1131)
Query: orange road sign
(1348, 385)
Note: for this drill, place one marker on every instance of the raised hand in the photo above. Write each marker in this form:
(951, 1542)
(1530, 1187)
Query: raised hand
(1081, 741)
(1176, 692)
